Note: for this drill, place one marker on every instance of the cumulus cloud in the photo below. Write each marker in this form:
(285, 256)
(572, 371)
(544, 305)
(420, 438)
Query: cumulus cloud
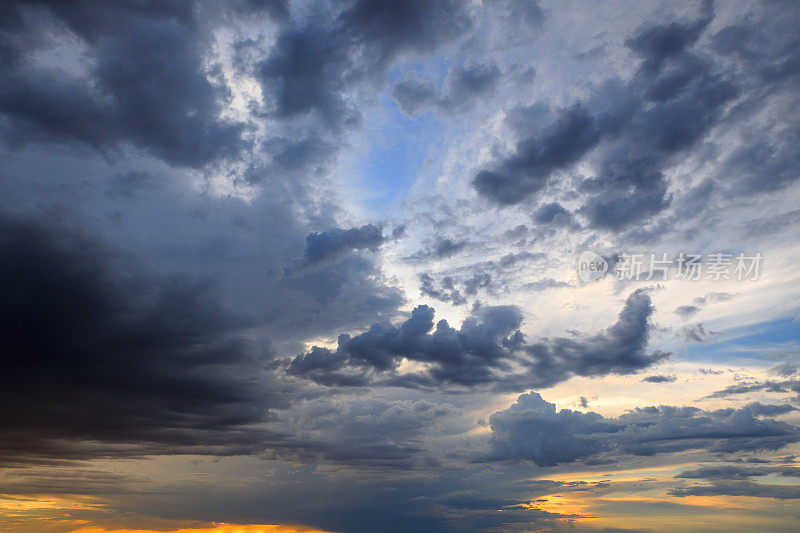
(532, 430)
(489, 349)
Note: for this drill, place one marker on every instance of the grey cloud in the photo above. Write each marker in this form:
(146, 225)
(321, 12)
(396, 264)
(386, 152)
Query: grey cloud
(481, 352)
(553, 214)
(687, 311)
(464, 84)
(620, 349)
(389, 28)
(277, 9)
(446, 291)
(699, 334)
(369, 433)
(784, 369)
(738, 472)
(740, 488)
(442, 248)
(313, 65)
(103, 359)
(661, 42)
(415, 95)
(532, 430)
(489, 277)
(336, 242)
(305, 72)
(767, 386)
(557, 146)
(673, 101)
(766, 55)
(660, 379)
(124, 101)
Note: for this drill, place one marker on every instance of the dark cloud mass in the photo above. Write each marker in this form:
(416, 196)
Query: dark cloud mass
(483, 352)
(95, 351)
(563, 142)
(122, 99)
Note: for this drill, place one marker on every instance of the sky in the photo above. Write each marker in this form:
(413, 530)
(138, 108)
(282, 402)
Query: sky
(399, 266)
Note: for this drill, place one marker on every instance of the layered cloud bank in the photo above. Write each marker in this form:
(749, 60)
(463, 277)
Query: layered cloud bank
(271, 262)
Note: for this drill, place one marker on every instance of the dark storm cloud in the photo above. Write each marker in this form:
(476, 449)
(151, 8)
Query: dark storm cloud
(620, 349)
(463, 356)
(94, 350)
(482, 352)
(659, 379)
(146, 85)
(335, 242)
(532, 430)
(305, 72)
(557, 146)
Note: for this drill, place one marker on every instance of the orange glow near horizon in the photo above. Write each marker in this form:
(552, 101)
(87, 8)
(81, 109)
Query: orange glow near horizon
(214, 528)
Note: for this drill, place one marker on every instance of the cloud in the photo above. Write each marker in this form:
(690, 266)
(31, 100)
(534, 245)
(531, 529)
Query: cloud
(336, 242)
(553, 214)
(364, 433)
(659, 379)
(483, 352)
(532, 430)
(768, 386)
(121, 101)
(738, 472)
(445, 292)
(101, 359)
(570, 134)
(389, 28)
(464, 84)
(687, 311)
(740, 488)
(629, 131)
(698, 333)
